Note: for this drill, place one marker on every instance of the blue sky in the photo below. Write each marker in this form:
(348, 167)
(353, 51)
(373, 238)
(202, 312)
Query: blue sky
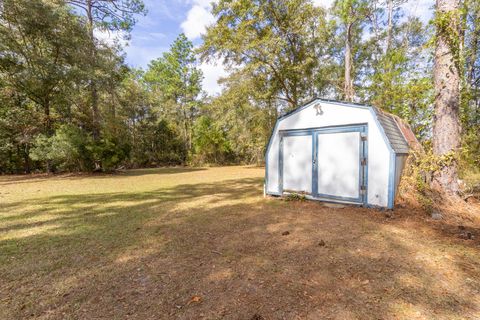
(153, 34)
(166, 19)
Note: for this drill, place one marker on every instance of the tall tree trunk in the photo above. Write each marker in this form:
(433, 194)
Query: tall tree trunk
(93, 85)
(186, 128)
(26, 157)
(446, 126)
(48, 128)
(348, 86)
(389, 26)
(47, 118)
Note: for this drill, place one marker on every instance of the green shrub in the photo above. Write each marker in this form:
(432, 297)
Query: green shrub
(69, 149)
(210, 143)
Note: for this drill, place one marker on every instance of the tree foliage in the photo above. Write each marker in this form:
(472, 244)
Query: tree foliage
(39, 57)
(176, 79)
(281, 41)
(69, 102)
(113, 15)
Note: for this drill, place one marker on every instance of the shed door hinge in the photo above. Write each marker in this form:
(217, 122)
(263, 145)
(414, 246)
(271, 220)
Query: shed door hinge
(363, 137)
(363, 189)
(364, 162)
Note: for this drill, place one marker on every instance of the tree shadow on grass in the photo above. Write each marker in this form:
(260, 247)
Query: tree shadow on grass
(18, 179)
(166, 170)
(68, 208)
(145, 255)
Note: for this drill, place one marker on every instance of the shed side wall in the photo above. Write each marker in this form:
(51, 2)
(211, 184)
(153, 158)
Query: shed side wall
(400, 165)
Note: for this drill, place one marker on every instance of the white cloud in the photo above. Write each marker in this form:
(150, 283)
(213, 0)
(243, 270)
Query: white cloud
(323, 3)
(111, 37)
(198, 18)
(212, 72)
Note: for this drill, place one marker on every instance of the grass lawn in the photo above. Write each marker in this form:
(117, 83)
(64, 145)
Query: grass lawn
(205, 244)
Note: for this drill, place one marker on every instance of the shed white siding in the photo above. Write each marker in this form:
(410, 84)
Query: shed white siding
(380, 152)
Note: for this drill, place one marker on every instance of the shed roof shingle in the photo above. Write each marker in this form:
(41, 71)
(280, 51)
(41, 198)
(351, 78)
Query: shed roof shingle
(392, 131)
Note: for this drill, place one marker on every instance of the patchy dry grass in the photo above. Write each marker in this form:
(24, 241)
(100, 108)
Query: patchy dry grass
(204, 243)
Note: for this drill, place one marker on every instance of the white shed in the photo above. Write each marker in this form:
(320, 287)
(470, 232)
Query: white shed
(338, 152)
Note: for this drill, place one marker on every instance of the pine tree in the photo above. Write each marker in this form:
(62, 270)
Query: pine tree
(446, 126)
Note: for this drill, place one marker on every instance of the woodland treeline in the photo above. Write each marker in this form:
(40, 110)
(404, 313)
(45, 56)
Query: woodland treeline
(68, 101)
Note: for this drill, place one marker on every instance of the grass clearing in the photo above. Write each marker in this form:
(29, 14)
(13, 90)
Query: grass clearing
(203, 243)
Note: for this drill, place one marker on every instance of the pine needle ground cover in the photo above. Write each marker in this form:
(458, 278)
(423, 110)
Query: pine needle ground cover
(203, 243)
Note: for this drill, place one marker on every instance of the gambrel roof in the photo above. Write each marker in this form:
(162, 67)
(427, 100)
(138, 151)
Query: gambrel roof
(397, 131)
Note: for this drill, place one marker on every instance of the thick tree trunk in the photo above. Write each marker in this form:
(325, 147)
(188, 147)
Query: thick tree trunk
(348, 86)
(446, 126)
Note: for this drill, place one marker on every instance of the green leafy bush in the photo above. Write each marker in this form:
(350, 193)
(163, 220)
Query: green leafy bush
(210, 143)
(111, 152)
(69, 149)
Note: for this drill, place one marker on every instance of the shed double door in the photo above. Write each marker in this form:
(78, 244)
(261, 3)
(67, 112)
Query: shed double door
(325, 163)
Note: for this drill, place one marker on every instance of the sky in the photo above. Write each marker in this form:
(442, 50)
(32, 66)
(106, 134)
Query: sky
(166, 19)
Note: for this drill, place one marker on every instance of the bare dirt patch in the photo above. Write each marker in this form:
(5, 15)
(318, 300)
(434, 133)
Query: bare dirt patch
(205, 244)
